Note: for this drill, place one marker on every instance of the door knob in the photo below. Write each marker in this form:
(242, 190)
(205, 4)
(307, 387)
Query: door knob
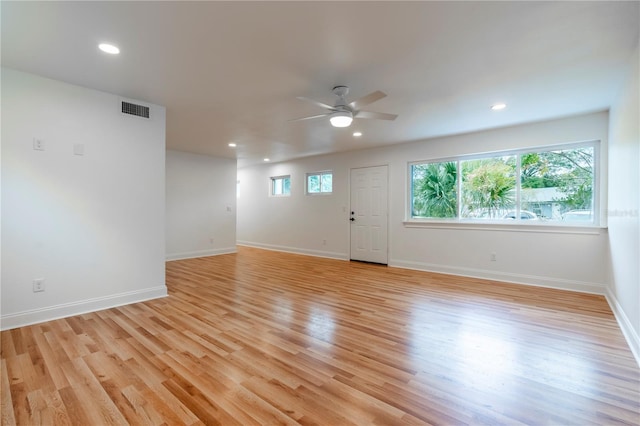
(352, 219)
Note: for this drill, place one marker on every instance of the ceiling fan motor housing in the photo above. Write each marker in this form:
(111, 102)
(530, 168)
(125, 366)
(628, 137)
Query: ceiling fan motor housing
(341, 92)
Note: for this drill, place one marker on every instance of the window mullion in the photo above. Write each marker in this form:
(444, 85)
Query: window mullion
(459, 189)
(518, 185)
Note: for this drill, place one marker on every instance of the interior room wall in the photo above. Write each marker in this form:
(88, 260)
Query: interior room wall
(296, 223)
(319, 225)
(91, 225)
(624, 206)
(201, 205)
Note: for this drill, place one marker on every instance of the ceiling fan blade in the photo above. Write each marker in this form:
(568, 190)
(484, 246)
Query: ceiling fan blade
(320, 104)
(375, 115)
(366, 100)
(310, 118)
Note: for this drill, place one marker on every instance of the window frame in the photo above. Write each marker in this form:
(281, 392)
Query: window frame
(272, 181)
(458, 222)
(319, 174)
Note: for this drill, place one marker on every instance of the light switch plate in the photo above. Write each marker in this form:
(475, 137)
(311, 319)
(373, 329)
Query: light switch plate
(38, 144)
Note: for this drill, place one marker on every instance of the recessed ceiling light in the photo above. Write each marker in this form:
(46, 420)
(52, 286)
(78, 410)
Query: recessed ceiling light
(232, 145)
(109, 48)
(498, 107)
(267, 160)
(357, 134)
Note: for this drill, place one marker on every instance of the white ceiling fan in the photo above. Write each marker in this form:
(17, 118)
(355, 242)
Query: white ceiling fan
(343, 113)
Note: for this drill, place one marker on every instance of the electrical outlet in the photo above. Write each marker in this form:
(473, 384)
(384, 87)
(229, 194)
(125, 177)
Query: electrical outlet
(38, 285)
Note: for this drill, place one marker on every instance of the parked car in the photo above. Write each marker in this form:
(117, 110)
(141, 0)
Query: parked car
(524, 215)
(578, 216)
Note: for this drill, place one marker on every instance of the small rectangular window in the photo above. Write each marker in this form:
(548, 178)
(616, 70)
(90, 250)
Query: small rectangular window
(320, 183)
(281, 186)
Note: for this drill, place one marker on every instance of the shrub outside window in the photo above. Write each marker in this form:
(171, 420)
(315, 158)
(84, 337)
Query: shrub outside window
(555, 185)
(320, 183)
(488, 187)
(281, 186)
(433, 190)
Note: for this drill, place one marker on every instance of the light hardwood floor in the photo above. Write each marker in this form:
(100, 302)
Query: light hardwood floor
(263, 337)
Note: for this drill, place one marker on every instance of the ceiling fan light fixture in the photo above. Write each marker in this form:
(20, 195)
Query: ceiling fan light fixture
(341, 119)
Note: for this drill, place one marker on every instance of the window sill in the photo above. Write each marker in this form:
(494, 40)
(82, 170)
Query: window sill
(549, 228)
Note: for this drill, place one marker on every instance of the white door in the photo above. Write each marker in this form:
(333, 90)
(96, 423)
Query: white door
(369, 214)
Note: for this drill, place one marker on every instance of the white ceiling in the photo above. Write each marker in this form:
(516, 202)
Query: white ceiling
(231, 71)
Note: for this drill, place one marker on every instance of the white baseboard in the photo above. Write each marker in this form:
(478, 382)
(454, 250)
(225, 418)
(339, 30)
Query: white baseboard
(21, 319)
(625, 325)
(532, 280)
(296, 250)
(200, 253)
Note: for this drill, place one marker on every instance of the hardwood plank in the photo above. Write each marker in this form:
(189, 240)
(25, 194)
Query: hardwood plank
(74, 407)
(7, 348)
(199, 406)
(96, 402)
(262, 337)
(20, 403)
(55, 412)
(52, 369)
(8, 418)
(170, 411)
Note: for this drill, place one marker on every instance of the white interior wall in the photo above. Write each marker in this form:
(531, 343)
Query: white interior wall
(624, 207)
(300, 223)
(91, 225)
(297, 223)
(201, 205)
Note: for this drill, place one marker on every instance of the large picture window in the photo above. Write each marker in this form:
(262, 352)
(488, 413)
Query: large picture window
(531, 186)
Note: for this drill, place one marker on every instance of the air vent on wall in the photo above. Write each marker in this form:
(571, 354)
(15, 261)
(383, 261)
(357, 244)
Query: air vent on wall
(133, 109)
